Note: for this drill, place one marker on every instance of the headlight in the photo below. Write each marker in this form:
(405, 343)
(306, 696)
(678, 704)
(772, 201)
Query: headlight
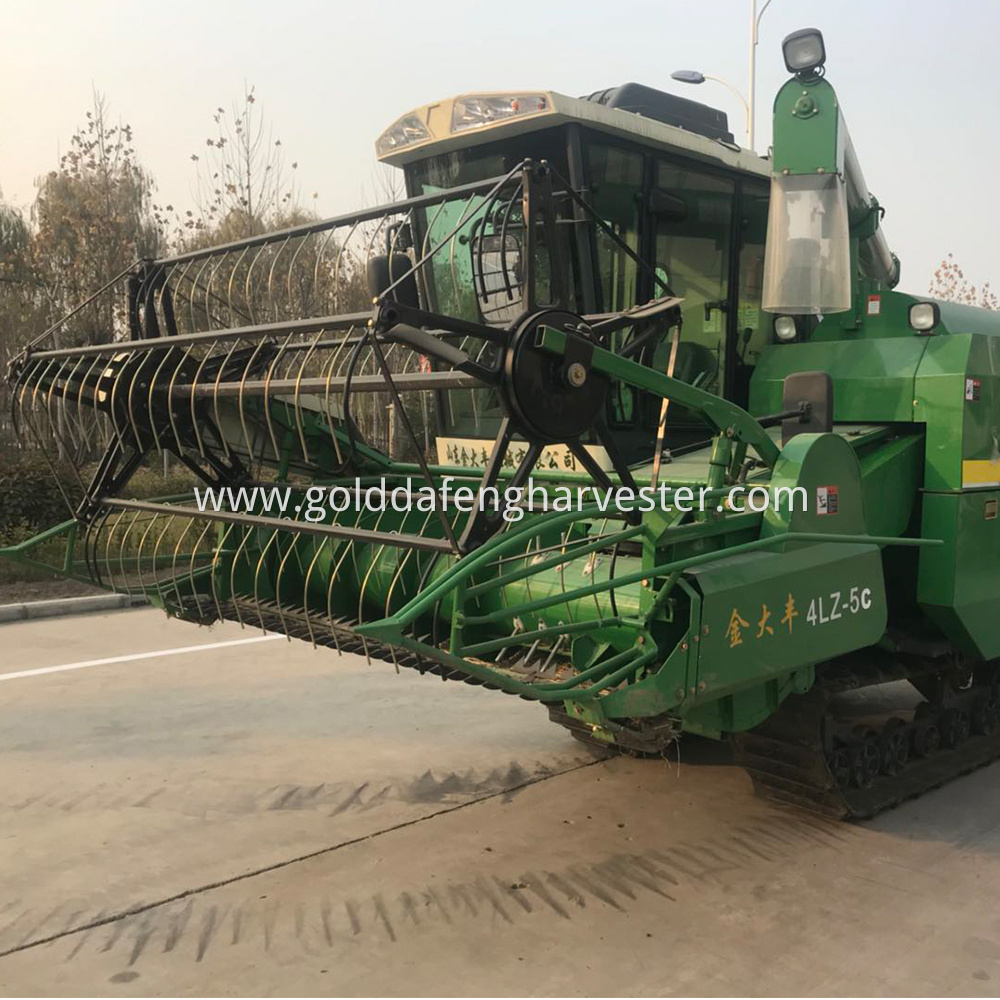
(804, 50)
(406, 130)
(474, 110)
(924, 316)
(785, 329)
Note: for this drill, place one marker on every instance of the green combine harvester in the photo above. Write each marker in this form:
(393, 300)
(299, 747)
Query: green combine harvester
(578, 296)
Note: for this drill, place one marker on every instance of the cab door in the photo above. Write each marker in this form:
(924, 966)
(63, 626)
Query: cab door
(616, 177)
(616, 183)
(692, 230)
(752, 328)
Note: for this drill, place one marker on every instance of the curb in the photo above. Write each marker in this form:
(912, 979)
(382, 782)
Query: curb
(61, 607)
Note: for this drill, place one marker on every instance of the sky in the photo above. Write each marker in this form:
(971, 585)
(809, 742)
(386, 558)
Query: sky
(917, 81)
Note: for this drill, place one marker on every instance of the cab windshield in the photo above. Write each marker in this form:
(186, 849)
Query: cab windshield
(699, 229)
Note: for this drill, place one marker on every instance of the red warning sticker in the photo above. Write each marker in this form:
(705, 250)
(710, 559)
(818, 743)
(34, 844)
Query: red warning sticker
(827, 499)
(874, 305)
(973, 390)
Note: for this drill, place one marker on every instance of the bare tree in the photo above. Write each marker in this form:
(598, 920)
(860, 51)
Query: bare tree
(243, 186)
(93, 217)
(950, 283)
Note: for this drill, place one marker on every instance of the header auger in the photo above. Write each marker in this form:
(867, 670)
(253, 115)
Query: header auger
(574, 298)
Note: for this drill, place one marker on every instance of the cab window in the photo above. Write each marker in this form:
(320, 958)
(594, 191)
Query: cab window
(692, 222)
(752, 333)
(615, 194)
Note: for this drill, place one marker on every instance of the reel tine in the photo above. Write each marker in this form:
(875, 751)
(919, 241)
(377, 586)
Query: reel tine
(210, 295)
(289, 550)
(196, 557)
(122, 547)
(150, 523)
(108, 563)
(162, 589)
(242, 410)
(195, 295)
(217, 552)
(240, 550)
(172, 408)
(364, 583)
(261, 561)
(137, 534)
(297, 409)
(249, 297)
(57, 426)
(72, 411)
(326, 401)
(130, 392)
(336, 266)
(320, 257)
(274, 311)
(331, 623)
(91, 543)
(196, 423)
(175, 573)
(303, 243)
(397, 576)
(119, 434)
(215, 398)
(305, 588)
(229, 285)
(267, 408)
(149, 403)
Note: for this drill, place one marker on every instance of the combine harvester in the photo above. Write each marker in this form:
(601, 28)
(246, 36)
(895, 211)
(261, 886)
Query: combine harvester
(601, 292)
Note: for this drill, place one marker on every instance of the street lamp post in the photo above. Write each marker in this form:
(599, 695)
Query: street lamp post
(754, 38)
(693, 76)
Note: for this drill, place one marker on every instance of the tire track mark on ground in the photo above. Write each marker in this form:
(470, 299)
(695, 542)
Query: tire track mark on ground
(492, 899)
(104, 919)
(332, 798)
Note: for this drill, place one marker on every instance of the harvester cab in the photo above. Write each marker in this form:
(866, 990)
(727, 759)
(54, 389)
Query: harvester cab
(607, 413)
(642, 211)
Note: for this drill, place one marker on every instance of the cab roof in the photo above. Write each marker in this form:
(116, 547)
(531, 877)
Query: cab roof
(547, 109)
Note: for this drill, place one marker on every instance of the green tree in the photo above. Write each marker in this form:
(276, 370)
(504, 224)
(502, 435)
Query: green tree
(23, 305)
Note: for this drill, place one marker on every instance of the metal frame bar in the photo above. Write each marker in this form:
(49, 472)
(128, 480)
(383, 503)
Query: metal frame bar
(334, 222)
(725, 416)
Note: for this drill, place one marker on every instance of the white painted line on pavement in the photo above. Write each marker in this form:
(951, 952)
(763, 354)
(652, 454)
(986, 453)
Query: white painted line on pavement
(38, 671)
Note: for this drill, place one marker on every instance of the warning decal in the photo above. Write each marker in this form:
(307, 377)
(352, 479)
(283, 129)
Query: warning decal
(973, 389)
(874, 305)
(827, 499)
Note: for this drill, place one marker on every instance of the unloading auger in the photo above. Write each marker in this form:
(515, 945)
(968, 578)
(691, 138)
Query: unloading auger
(572, 295)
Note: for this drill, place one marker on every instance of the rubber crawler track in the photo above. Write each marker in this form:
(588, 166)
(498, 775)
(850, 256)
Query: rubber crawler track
(785, 756)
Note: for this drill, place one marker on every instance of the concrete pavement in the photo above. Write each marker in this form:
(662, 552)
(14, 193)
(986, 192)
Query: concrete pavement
(256, 817)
